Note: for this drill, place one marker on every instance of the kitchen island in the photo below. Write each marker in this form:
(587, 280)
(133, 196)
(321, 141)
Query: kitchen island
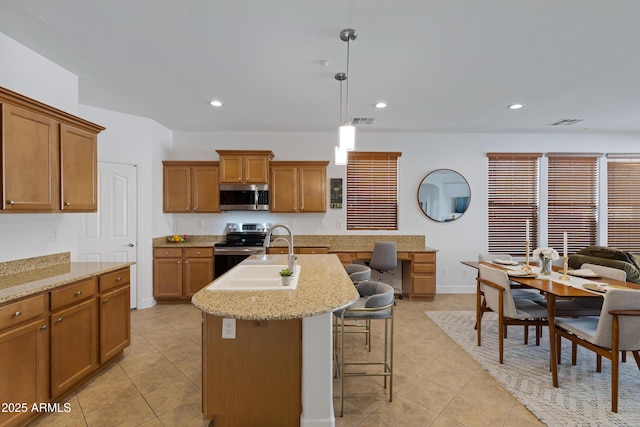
(277, 368)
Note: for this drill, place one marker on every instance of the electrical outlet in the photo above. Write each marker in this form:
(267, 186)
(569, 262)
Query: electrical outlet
(54, 234)
(229, 329)
(339, 225)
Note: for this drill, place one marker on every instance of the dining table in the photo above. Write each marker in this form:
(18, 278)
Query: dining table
(554, 286)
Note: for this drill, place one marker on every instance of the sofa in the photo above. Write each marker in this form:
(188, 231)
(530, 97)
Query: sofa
(609, 257)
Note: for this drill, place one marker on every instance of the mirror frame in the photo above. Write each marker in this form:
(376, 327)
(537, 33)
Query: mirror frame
(421, 202)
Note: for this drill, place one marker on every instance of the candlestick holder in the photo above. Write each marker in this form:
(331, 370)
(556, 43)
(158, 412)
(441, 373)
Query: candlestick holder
(527, 268)
(564, 271)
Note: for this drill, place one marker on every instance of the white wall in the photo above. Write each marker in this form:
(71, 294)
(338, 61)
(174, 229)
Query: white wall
(459, 240)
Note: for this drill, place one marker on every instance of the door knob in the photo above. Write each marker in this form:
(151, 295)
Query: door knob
(131, 244)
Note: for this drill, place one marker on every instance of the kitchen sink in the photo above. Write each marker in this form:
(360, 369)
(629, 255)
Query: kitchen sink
(254, 277)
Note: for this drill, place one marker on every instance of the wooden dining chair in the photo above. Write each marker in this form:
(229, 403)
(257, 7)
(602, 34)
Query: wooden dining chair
(493, 285)
(616, 329)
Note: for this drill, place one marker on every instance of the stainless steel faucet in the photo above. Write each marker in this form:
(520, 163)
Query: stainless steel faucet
(291, 264)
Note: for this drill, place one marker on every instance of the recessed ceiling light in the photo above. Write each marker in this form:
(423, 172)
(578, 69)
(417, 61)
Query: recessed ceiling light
(515, 106)
(216, 103)
(381, 105)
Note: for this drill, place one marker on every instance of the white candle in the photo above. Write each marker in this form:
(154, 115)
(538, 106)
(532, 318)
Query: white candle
(564, 243)
(527, 235)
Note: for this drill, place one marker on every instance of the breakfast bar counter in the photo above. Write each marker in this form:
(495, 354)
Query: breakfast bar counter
(267, 354)
(323, 286)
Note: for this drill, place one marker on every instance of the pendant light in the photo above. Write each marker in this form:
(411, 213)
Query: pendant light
(346, 131)
(340, 150)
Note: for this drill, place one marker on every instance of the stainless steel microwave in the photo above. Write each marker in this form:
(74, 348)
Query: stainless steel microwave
(244, 197)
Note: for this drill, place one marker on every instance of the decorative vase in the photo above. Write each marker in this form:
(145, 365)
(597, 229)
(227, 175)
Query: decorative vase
(545, 266)
(286, 280)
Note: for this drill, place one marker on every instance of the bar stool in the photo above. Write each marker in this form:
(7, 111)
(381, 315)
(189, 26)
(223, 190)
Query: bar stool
(358, 272)
(375, 303)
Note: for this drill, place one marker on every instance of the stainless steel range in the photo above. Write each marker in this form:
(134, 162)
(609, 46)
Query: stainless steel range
(242, 241)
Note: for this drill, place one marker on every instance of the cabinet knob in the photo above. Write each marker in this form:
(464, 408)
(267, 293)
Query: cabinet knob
(11, 202)
(106, 300)
(186, 262)
(240, 178)
(18, 313)
(59, 319)
(178, 262)
(195, 208)
(67, 203)
(78, 293)
(43, 327)
(118, 279)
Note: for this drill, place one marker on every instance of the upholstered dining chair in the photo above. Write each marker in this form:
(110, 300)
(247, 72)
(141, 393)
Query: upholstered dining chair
(376, 302)
(358, 272)
(493, 285)
(384, 257)
(616, 329)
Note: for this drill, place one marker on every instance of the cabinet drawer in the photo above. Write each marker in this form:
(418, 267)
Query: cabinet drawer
(344, 257)
(278, 250)
(424, 257)
(167, 252)
(424, 268)
(73, 293)
(424, 285)
(17, 312)
(114, 279)
(198, 252)
(311, 250)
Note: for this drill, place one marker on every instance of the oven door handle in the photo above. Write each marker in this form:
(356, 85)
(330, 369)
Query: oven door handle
(238, 251)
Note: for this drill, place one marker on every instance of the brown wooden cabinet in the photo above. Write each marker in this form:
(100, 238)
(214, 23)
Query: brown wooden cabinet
(52, 341)
(115, 313)
(299, 186)
(24, 355)
(49, 158)
(298, 250)
(264, 362)
(190, 187)
(244, 166)
(30, 165)
(422, 271)
(74, 335)
(178, 273)
(79, 174)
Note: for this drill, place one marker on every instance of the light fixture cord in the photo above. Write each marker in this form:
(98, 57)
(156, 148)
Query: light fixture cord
(341, 103)
(347, 97)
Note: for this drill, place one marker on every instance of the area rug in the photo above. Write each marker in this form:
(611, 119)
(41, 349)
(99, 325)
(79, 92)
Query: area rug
(583, 398)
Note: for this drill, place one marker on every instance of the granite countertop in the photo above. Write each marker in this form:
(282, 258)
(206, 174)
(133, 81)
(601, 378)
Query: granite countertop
(323, 286)
(334, 243)
(31, 276)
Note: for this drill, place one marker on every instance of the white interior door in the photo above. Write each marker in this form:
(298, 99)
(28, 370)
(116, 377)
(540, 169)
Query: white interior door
(110, 235)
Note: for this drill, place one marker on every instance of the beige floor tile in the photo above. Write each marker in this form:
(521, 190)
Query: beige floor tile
(189, 414)
(156, 378)
(141, 363)
(473, 412)
(172, 396)
(97, 399)
(132, 412)
(73, 417)
(404, 412)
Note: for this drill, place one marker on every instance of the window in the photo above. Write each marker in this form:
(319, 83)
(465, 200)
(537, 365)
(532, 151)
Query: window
(372, 191)
(623, 189)
(572, 200)
(513, 198)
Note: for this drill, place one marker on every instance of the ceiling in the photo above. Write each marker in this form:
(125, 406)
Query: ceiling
(441, 65)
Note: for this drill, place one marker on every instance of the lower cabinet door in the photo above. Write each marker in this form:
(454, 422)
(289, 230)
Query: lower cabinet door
(198, 274)
(115, 322)
(74, 345)
(24, 369)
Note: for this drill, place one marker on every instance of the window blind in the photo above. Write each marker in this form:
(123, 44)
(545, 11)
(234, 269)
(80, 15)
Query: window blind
(572, 201)
(623, 189)
(512, 199)
(372, 190)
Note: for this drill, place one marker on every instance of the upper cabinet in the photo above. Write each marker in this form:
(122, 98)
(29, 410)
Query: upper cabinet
(78, 161)
(244, 167)
(191, 187)
(298, 186)
(49, 161)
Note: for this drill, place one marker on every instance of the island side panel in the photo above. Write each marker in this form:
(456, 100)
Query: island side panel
(256, 376)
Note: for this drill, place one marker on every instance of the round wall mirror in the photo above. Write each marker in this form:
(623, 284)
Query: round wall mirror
(444, 195)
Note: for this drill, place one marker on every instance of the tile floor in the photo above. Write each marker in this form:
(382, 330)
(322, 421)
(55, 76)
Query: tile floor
(158, 380)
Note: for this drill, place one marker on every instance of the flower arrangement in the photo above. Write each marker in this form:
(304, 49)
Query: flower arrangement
(546, 253)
